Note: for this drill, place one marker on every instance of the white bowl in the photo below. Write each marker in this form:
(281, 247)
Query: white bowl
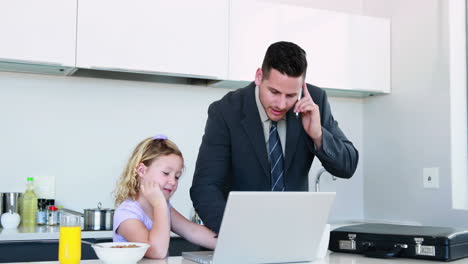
(111, 255)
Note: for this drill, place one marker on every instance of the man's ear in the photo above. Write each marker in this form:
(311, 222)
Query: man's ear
(141, 169)
(258, 76)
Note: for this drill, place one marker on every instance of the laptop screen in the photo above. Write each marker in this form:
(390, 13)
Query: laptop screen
(272, 227)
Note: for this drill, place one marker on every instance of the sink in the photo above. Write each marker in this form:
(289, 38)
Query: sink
(336, 224)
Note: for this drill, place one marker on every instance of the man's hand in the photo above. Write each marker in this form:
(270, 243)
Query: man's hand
(310, 116)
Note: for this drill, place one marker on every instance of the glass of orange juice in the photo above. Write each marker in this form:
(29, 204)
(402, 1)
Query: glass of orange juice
(70, 239)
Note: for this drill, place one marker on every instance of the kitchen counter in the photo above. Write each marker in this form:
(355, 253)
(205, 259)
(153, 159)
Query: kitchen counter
(332, 258)
(52, 232)
(43, 233)
(41, 243)
(47, 232)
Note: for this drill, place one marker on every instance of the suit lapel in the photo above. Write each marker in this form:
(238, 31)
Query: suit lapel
(254, 129)
(293, 128)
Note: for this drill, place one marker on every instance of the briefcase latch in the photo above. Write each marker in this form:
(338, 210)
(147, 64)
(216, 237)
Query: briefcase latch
(423, 250)
(348, 244)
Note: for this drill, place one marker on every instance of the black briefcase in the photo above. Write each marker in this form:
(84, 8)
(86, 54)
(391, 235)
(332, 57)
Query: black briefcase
(386, 241)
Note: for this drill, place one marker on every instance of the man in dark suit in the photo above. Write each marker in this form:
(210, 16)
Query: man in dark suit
(262, 138)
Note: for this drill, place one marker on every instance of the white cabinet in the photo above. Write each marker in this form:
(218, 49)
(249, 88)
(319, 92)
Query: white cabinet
(177, 37)
(344, 52)
(38, 35)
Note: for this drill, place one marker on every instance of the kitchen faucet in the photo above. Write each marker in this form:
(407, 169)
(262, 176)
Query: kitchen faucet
(195, 218)
(317, 178)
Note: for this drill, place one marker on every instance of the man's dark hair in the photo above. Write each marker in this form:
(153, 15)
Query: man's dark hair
(285, 57)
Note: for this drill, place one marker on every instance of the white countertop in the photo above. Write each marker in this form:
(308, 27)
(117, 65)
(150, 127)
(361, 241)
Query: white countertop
(47, 232)
(332, 258)
(52, 232)
(44, 232)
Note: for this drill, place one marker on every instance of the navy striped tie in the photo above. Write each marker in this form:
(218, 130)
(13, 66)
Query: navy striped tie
(276, 159)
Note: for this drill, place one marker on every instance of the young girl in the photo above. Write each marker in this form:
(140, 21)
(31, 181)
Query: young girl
(144, 213)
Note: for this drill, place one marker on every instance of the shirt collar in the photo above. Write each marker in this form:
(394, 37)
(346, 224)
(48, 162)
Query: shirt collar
(261, 110)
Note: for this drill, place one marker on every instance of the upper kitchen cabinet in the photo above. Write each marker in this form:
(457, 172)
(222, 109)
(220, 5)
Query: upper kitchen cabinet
(38, 36)
(346, 53)
(177, 37)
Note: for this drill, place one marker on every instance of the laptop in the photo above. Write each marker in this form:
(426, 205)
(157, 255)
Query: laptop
(269, 227)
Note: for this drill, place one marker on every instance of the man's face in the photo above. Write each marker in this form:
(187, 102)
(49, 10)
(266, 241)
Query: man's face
(278, 93)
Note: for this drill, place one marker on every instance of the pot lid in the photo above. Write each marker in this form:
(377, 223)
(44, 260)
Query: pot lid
(99, 205)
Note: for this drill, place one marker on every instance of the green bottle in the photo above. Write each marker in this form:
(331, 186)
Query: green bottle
(29, 210)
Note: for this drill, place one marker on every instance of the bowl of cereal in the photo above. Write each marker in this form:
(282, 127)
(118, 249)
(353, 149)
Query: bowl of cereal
(120, 252)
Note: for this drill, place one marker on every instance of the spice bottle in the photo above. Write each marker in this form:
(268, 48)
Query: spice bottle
(52, 218)
(42, 211)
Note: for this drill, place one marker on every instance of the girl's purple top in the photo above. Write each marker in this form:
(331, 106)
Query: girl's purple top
(131, 209)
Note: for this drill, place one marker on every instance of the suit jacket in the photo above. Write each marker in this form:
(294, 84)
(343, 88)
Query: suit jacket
(233, 153)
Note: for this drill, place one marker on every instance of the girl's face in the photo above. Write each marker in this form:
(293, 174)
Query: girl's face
(166, 171)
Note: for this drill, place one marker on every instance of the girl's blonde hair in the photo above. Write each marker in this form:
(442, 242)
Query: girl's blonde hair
(146, 152)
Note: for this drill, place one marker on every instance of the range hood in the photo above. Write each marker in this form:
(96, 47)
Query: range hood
(35, 67)
(337, 92)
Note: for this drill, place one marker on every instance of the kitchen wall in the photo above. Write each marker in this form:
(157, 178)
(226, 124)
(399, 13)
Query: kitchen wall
(410, 129)
(81, 130)
(346, 6)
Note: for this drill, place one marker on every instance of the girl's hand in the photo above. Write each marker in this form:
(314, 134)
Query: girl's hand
(152, 192)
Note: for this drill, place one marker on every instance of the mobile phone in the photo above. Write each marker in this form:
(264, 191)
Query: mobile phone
(299, 98)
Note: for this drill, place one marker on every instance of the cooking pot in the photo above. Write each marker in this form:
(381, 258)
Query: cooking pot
(95, 219)
(98, 218)
(1, 203)
(11, 201)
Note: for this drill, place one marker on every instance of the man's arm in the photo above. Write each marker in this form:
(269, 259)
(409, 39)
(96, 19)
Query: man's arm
(210, 181)
(326, 140)
(337, 154)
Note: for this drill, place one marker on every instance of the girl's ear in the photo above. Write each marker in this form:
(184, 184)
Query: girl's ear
(141, 169)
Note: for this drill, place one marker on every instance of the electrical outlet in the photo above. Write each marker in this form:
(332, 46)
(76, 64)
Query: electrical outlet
(431, 178)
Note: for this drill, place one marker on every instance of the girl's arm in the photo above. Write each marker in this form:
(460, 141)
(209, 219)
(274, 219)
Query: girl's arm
(194, 233)
(134, 230)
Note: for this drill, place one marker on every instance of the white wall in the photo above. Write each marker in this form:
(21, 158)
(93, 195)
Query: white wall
(410, 129)
(346, 6)
(348, 203)
(81, 130)
(458, 103)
